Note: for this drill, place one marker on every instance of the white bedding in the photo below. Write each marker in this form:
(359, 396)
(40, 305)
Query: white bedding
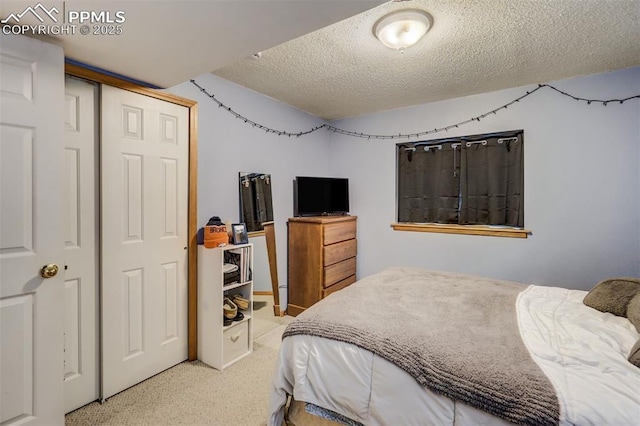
(582, 351)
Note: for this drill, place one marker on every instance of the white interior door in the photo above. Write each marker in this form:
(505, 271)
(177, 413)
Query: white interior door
(144, 152)
(81, 332)
(31, 159)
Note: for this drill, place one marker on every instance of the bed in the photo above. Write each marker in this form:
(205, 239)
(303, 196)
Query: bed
(412, 347)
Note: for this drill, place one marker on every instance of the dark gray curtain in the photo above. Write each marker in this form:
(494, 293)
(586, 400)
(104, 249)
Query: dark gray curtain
(428, 184)
(479, 184)
(410, 185)
(491, 182)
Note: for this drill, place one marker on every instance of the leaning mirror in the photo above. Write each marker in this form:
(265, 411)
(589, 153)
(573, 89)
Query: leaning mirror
(255, 200)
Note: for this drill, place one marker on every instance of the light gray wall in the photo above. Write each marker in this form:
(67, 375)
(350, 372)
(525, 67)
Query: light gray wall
(582, 180)
(227, 145)
(582, 198)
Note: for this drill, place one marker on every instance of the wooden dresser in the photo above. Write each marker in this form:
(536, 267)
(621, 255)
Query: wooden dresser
(321, 258)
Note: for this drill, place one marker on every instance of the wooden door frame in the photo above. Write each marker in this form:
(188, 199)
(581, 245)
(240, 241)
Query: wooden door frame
(192, 227)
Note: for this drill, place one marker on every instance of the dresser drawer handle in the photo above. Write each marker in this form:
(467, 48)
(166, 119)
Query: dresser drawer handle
(234, 338)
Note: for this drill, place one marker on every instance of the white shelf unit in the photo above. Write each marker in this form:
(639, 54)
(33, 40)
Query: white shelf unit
(218, 345)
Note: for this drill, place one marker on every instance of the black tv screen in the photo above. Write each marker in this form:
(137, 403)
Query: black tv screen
(316, 196)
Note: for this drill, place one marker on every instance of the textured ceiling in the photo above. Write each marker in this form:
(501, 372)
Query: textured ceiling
(474, 46)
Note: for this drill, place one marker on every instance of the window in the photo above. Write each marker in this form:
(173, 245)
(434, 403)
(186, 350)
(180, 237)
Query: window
(470, 180)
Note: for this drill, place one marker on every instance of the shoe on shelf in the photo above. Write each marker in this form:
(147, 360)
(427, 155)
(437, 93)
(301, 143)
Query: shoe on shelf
(226, 321)
(229, 308)
(241, 302)
(239, 317)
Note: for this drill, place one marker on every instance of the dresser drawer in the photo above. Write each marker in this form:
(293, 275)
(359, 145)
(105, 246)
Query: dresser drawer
(339, 286)
(235, 342)
(339, 271)
(337, 252)
(340, 231)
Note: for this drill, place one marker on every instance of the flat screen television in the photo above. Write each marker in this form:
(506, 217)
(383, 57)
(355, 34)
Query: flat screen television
(317, 196)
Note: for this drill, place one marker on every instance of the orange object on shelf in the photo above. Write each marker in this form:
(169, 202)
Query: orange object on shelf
(215, 236)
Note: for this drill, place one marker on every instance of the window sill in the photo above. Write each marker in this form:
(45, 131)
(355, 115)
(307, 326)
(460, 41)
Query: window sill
(255, 233)
(462, 229)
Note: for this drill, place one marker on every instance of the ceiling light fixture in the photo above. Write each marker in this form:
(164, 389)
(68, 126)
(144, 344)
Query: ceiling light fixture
(402, 28)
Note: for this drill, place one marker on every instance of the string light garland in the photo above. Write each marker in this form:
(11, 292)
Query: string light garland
(253, 123)
(407, 135)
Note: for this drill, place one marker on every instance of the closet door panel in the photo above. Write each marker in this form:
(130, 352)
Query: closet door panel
(144, 156)
(80, 189)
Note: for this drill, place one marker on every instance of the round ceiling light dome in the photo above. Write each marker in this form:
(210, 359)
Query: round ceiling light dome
(403, 28)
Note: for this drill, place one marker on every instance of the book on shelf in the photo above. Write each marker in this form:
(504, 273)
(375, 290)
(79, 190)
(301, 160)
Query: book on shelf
(239, 257)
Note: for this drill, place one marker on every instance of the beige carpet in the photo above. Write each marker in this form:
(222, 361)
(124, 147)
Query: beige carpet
(192, 393)
(263, 318)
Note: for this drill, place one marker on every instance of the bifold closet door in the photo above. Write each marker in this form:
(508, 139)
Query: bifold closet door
(80, 188)
(144, 192)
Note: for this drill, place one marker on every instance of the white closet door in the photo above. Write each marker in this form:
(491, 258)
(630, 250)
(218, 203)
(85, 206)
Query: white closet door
(144, 156)
(31, 169)
(81, 332)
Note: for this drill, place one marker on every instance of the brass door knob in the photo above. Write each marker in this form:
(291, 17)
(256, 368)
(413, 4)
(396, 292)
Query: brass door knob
(48, 271)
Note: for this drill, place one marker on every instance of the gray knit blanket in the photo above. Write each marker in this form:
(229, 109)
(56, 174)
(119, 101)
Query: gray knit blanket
(457, 335)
